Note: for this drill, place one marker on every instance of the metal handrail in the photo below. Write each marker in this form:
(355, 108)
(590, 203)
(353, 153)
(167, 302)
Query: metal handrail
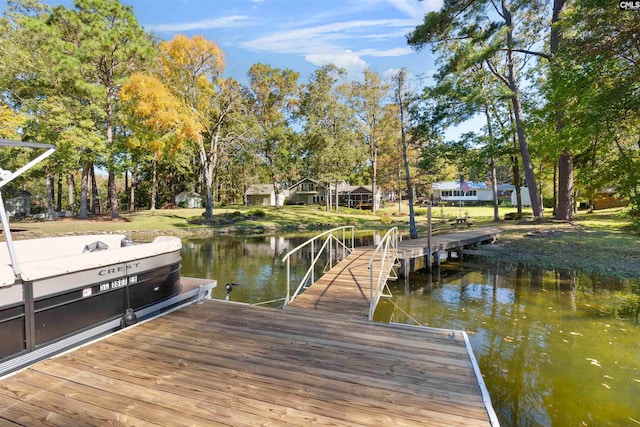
(310, 274)
(387, 246)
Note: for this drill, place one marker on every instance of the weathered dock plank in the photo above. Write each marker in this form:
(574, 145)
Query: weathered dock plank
(343, 289)
(221, 363)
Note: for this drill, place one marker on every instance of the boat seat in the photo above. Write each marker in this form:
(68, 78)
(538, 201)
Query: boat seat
(57, 247)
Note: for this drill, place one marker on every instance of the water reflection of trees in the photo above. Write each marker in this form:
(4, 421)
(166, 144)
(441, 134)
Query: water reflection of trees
(253, 262)
(533, 332)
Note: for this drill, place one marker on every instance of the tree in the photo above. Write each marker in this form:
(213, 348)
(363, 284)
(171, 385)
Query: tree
(402, 98)
(471, 23)
(274, 96)
(330, 150)
(595, 81)
(367, 100)
(158, 122)
(108, 45)
(191, 67)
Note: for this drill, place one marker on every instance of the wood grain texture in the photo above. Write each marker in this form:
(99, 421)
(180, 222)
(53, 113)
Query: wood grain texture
(221, 363)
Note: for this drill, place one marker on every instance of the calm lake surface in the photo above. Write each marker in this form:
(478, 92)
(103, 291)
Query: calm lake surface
(555, 348)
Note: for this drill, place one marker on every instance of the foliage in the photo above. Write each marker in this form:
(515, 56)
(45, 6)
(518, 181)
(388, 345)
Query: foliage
(88, 79)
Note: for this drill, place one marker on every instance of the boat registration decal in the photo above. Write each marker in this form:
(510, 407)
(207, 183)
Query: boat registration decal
(118, 283)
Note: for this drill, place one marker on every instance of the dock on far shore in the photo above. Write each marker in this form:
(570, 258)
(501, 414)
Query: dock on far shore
(442, 245)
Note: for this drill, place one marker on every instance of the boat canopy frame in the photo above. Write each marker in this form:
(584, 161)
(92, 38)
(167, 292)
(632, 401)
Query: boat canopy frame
(8, 176)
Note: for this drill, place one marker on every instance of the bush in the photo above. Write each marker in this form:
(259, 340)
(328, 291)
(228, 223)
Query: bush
(385, 219)
(258, 213)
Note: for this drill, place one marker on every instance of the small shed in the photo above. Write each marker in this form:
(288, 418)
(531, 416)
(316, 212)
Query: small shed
(608, 198)
(525, 198)
(188, 199)
(18, 204)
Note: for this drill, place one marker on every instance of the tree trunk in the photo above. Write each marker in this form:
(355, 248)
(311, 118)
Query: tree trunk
(565, 203)
(50, 196)
(71, 193)
(565, 187)
(516, 183)
(337, 197)
(555, 188)
(492, 167)
(59, 195)
(95, 196)
(112, 193)
(207, 175)
(154, 182)
(84, 190)
(327, 196)
(132, 192)
(413, 232)
(529, 174)
(374, 173)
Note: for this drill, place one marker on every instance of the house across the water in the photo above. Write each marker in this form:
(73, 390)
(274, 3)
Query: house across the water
(310, 192)
(264, 195)
(449, 191)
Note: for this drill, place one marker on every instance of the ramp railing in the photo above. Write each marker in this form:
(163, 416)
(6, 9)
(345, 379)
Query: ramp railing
(336, 244)
(386, 257)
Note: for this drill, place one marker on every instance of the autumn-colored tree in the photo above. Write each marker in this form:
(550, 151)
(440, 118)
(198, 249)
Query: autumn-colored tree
(192, 67)
(158, 122)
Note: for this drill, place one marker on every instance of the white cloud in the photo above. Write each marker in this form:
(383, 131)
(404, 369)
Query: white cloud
(391, 72)
(310, 39)
(233, 21)
(414, 8)
(397, 51)
(351, 62)
(336, 42)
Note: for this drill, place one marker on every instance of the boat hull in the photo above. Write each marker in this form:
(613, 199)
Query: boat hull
(60, 297)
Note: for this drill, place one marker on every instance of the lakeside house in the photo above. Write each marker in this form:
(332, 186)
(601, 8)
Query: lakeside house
(311, 192)
(449, 191)
(264, 195)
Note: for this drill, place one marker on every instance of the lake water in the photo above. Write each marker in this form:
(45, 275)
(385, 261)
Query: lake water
(555, 348)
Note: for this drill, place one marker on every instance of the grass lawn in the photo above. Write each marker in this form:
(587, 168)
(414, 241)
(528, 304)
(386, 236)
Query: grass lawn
(600, 242)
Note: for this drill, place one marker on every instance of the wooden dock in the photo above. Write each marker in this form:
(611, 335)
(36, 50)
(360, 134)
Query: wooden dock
(346, 287)
(221, 363)
(441, 246)
(343, 289)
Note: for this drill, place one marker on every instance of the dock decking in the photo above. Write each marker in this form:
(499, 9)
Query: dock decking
(221, 363)
(346, 287)
(343, 289)
(410, 249)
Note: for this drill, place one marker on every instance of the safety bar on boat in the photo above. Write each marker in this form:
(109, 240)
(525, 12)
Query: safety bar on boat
(5, 178)
(342, 248)
(386, 254)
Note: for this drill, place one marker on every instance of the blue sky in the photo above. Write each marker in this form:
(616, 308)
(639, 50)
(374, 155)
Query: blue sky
(298, 34)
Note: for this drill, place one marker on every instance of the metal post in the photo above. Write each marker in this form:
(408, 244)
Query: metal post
(313, 254)
(429, 231)
(9, 240)
(331, 239)
(286, 301)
